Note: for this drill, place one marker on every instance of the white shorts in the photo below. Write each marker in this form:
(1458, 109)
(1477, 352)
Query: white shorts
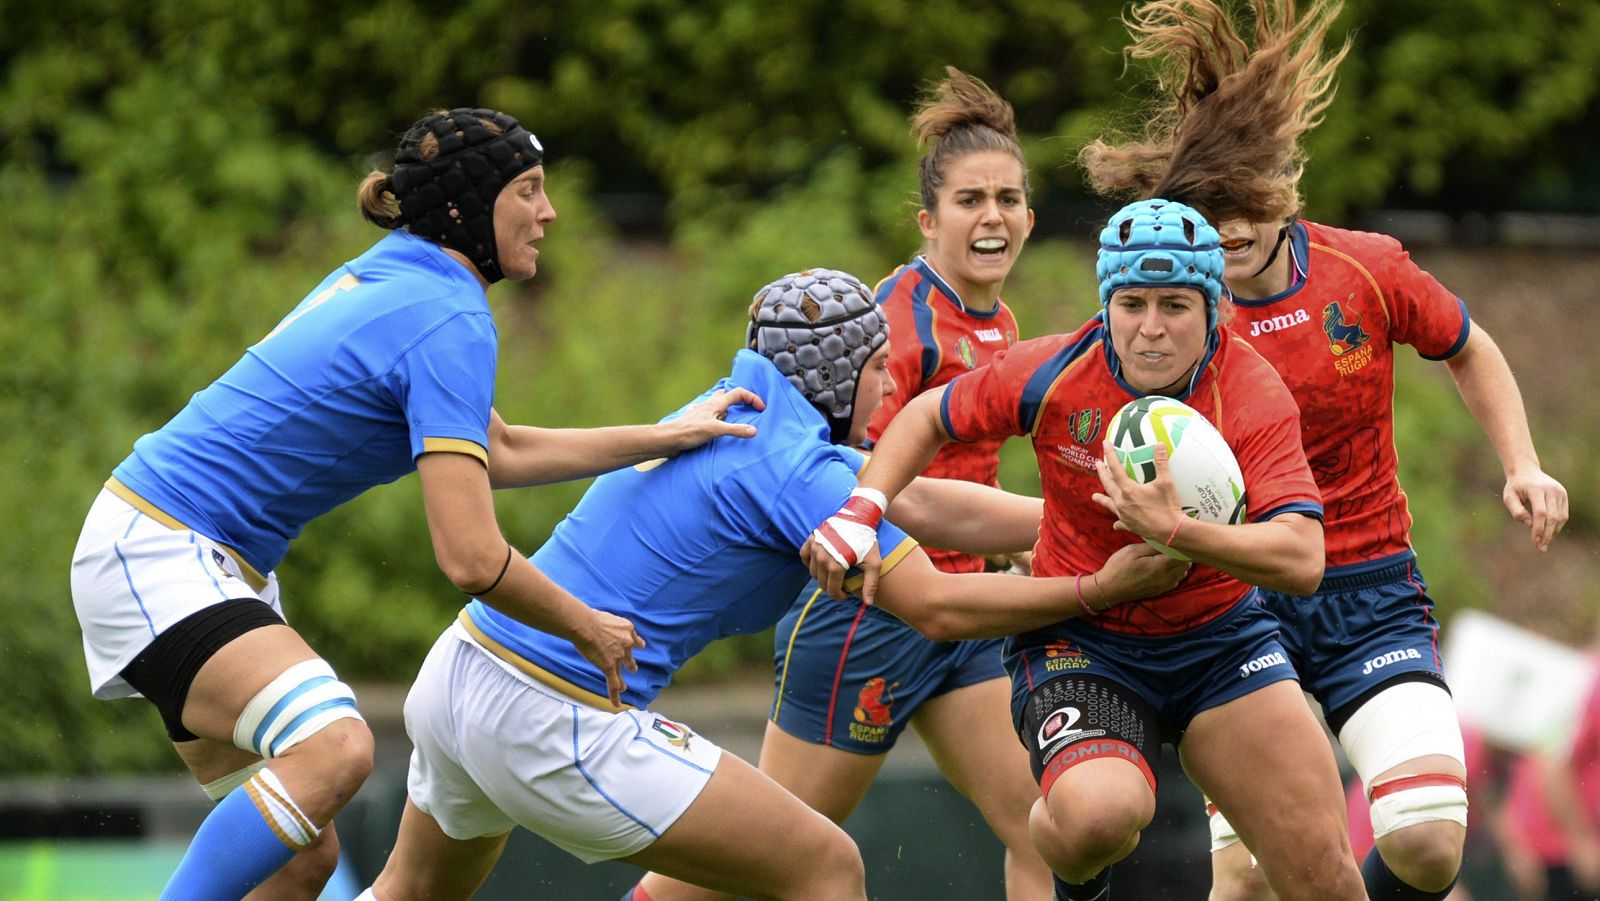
(134, 576)
(494, 749)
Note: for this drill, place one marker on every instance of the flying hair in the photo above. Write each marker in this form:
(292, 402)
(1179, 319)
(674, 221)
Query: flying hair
(958, 116)
(1226, 135)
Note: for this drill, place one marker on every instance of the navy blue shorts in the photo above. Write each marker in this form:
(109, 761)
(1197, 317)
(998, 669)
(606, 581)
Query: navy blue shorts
(851, 676)
(1368, 626)
(1177, 677)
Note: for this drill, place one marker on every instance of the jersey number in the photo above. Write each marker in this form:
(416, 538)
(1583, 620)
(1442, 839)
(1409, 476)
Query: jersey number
(345, 283)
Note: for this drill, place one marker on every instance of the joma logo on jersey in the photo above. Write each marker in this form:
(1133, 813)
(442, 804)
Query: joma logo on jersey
(1085, 425)
(1279, 323)
(1378, 663)
(989, 335)
(1265, 661)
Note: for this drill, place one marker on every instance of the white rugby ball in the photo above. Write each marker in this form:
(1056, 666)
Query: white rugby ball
(1200, 463)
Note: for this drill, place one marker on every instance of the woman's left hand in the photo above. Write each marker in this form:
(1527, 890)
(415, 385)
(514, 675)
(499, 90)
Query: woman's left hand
(1539, 502)
(707, 420)
(1149, 510)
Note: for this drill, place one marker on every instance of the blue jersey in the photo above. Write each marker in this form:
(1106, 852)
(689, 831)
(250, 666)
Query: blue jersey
(392, 355)
(703, 546)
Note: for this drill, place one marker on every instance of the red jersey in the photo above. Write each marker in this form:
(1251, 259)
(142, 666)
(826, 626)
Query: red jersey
(934, 337)
(1064, 390)
(1332, 336)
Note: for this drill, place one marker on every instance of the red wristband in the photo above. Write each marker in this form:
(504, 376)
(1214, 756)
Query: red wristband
(1078, 587)
(1175, 529)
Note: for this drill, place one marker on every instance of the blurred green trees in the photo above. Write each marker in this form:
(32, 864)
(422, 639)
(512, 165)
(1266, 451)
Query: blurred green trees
(175, 174)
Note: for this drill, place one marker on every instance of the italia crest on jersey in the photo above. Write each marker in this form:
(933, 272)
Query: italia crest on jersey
(964, 351)
(1086, 426)
(677, 735)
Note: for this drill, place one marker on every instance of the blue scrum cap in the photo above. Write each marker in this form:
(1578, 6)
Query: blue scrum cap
(1160, 242)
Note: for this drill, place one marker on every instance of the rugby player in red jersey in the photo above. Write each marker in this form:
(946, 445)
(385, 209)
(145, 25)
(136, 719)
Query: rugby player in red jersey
(1200, 666)
(1328, 307)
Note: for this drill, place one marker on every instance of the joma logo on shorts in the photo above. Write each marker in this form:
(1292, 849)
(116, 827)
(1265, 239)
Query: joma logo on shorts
(1391, 657)
(1279, 323)
(1275, 658)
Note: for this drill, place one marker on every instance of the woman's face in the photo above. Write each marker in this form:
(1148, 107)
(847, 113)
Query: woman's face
(980, 223)
(1159, 335)
(873, 385)
(521, 212)
(1246, 248)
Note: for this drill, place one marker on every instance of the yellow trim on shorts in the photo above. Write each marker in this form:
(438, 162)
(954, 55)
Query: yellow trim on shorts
(455, 446)
(788, 652)
(542, 675)
(255, 580)
(890, 561)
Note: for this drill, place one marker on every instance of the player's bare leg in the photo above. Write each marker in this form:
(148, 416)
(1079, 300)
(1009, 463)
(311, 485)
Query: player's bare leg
(746, 835)
(1287, 804)
(428, 864)
(970, 735)
(1235, 876)
(1092, 817)
(828, 780)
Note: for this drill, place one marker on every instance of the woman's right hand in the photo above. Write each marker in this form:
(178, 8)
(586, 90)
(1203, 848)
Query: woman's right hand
(1134, 572)
(607, 641)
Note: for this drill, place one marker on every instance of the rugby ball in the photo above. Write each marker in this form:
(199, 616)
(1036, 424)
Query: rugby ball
(1202, 466)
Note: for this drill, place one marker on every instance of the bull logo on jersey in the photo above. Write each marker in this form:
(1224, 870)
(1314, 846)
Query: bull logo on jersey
(873, 702)
(677, 734)
(969, 358)
(1343, 336)
(1085, 426)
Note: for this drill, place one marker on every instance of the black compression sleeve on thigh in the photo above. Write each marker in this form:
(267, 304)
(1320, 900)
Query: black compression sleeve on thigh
(165, 669)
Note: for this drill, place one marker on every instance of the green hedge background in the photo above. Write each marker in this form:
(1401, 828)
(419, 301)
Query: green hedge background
(175, 174)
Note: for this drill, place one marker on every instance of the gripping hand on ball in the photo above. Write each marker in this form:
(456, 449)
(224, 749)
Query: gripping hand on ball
(848, 538)
(1150, 510)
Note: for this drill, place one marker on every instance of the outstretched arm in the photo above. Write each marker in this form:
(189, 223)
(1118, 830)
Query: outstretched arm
(966, 516)
(949, 606)
(521, 455)
(1490, 391)
(848, 538)
(477, 559)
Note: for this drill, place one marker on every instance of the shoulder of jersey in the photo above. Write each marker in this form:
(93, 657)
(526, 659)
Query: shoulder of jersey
(1359, 244)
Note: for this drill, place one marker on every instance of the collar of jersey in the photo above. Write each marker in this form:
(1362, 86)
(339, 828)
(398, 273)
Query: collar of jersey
(1299, 268)
(921, 264)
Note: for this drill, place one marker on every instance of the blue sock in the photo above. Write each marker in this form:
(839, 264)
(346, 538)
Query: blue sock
(1096, 889)
(234, 851)
(1384, 885)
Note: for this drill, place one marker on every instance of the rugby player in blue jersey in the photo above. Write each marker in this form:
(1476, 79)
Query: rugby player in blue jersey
(386, 367)
(512, 727)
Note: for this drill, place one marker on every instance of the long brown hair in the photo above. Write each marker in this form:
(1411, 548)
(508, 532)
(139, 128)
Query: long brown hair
(958, 116)
(1226, 137)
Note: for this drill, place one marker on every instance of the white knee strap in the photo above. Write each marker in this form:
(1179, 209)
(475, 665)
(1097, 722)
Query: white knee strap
(1403, 722)
(219, 789)
(1222, 834)
(1410, 800)
(293, 707)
